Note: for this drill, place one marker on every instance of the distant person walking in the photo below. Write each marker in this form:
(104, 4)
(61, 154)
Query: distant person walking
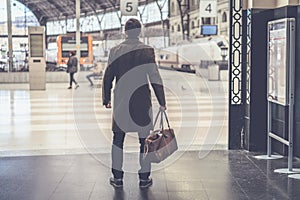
(72, 68)
(133, 65)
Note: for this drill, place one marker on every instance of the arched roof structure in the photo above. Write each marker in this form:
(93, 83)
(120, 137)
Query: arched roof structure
(52, 10)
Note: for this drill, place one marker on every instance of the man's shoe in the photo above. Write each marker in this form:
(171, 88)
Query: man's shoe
(145, 183)
(117, 183)
(77, 86)
(70, 87)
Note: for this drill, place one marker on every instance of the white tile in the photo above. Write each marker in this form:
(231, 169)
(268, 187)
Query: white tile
(45, 122)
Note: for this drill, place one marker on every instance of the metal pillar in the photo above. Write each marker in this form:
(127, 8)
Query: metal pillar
(78, 32)
(184, 10)
(236, 97)
(160, 7)
(9, 34)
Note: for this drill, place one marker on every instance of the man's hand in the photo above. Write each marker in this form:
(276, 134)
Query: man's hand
(108, 105)
(162, 108)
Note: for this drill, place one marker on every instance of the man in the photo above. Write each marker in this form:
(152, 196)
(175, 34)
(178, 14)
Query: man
(133, 65)
(96, 73)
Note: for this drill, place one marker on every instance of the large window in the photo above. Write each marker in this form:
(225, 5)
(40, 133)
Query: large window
(21, 17)
(192, 3)
(224, 17)
(206, 20)
(110, 20)
(173, 8)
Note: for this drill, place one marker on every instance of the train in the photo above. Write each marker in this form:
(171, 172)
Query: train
(67, 43)
(187, 57)
(57, 53)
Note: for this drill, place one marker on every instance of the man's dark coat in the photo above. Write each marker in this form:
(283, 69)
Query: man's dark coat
(133, 65)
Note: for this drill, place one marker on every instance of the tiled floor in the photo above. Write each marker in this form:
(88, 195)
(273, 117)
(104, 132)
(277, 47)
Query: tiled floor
(55, 144)
(221, 175)
(61, 121)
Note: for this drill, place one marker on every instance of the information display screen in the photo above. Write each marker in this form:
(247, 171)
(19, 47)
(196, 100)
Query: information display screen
(36, 45)
(279, 56)
(209, 30)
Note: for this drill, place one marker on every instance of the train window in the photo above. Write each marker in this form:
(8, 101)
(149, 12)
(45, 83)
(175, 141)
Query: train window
(84, 53)
(178, 27)
(65, 54)
(164, 57)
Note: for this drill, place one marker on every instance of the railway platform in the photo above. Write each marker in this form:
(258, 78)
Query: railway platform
(55, 144)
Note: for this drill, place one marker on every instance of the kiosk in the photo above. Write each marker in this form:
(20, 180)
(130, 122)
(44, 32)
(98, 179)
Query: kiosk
(36, 59)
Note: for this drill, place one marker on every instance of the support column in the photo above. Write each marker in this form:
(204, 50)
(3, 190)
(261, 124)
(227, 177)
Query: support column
(184, 9)
(236, 82)
(9, 34)
(78, 32)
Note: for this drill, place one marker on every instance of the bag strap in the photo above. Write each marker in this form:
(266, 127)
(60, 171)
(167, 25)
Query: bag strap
(156, 118)
(161, 113)
(164, 112)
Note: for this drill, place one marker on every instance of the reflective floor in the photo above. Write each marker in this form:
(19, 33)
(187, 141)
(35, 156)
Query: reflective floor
(61, 121)
(219, 175)
(55, 144)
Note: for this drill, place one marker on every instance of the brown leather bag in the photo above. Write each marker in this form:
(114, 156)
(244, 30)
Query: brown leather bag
(161, 143)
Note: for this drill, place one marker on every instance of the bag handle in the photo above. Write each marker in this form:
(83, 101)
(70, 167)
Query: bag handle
(162, 113)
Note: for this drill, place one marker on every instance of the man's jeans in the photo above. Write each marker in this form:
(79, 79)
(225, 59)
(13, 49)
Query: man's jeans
(117, 157)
